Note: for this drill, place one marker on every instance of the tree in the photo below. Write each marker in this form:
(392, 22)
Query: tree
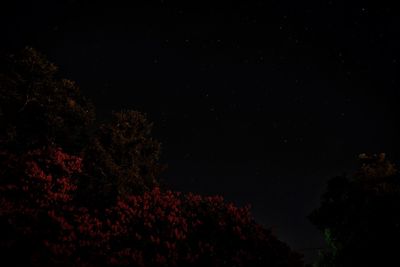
(359, 216)
(36, 211)
(70, 200)
(41, 225)
(121, 159)
(37, 108)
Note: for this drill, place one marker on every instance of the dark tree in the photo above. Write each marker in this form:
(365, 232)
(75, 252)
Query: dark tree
(37, 108)
(121, 159)
(360, 217)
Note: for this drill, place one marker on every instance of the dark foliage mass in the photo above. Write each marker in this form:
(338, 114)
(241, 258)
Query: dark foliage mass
(76, 195)
(42, 226)
(359, 216)
(36, 191)
(37, 108)
(121, 159)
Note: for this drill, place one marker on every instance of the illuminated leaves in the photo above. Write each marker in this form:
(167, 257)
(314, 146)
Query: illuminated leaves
(154, 229)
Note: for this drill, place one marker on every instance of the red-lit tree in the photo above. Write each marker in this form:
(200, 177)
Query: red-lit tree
(50, 210)
(36, 195)
(41, 226)
(38, 108)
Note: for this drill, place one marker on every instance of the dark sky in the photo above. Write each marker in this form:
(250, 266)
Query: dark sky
(259, 101)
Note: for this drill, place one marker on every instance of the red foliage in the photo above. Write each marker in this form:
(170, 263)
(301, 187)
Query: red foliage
(157, 228)
(36, 198)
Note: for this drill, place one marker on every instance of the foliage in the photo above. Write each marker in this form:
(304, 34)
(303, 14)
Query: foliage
(121, 159)
(37, 108)
(359, 216)
(73, 196)
(36, 192)
(42, 225)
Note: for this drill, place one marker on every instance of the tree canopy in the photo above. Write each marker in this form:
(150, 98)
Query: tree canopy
(359, 215)
(41, 224)
(39, 109)
(121, 158)
(73, 194)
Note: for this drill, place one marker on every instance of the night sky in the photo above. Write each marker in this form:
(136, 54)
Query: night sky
(259, 101)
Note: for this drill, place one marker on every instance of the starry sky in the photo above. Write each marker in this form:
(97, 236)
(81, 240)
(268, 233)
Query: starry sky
(258, 101)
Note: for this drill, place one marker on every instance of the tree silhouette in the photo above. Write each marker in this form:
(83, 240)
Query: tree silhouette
(121, 159)
(359, 216)
(38, 108)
